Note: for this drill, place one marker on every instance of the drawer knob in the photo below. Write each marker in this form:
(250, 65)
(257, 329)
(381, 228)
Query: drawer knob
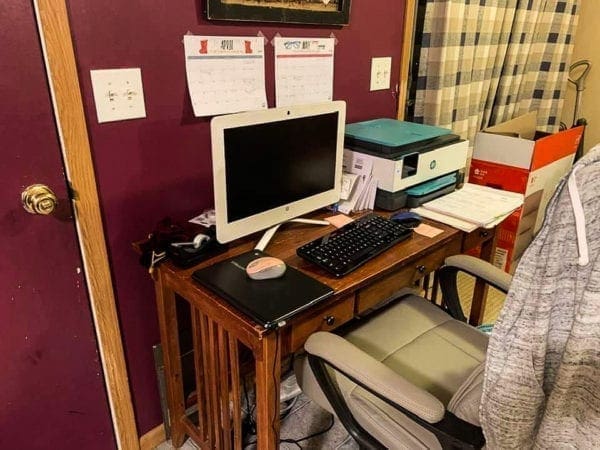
(421, 269)
(329, 320)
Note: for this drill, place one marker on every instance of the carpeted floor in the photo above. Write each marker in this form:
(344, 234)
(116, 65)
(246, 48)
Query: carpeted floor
(305, 419)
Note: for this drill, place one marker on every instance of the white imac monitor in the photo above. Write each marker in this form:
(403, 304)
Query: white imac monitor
(274, 165)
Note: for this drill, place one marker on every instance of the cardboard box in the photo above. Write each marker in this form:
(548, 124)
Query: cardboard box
(514, 157)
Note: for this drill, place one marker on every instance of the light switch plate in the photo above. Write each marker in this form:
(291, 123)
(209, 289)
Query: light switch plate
(118, 94)
(381, 69)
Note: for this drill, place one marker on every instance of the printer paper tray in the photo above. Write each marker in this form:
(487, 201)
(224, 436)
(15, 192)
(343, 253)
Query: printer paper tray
(412, 201)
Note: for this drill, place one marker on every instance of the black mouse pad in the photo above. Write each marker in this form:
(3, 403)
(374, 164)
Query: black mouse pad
(268, 302)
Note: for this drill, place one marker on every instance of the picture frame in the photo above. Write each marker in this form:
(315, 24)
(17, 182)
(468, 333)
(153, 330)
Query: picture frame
(317, 12)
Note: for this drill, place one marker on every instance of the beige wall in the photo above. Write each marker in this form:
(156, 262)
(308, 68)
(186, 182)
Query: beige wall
(587, 40)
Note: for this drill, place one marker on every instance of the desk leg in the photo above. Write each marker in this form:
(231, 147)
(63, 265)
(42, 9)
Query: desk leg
(268, 379)
(167, 318)
(480, 291)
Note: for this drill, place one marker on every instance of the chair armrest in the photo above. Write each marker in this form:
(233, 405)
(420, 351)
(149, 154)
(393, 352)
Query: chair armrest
(479, 268)
(374, 375)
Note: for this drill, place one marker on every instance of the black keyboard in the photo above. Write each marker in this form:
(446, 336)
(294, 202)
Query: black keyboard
(345, 249)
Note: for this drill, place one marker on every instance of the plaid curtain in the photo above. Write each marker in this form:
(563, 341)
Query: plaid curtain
(483, 62)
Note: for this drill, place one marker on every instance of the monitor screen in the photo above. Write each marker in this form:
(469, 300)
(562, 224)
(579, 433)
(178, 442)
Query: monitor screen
(273, 165)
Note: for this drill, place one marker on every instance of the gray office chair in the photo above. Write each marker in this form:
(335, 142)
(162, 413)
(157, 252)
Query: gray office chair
(412, 376)
(408, 376)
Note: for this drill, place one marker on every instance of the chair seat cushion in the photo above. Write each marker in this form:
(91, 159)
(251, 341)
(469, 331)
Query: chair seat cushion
(465, 402)
(418, 340)
(425, 345)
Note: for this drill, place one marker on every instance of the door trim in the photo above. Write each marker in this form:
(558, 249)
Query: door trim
(57, 46)
(405, 62)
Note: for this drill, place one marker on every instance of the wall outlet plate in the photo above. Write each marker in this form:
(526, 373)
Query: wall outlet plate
(381, 69)
(118, 94)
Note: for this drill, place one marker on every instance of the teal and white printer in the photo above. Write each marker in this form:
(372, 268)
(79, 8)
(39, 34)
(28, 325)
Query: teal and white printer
(412, 162)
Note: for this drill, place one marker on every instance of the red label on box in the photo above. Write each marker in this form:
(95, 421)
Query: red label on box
(498, 176)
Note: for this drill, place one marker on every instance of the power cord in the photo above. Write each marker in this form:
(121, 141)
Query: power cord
(285, 411)
(248, 425)
(310, 436)
(306, 438)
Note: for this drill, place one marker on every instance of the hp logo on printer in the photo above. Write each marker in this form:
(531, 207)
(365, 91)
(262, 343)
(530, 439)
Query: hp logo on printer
(432, 164)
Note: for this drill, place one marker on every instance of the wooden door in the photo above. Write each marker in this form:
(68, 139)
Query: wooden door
(52, 392)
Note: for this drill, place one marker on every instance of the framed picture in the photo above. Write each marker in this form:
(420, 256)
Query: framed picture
(320, 12)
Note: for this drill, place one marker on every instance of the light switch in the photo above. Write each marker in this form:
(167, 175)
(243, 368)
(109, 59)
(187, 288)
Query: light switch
(118, 94)
(381, 69)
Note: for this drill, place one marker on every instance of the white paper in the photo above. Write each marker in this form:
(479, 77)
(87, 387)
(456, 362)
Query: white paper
(455, 222)
(366, 199)
(207, 218)
(372, 193)
(448, 220)
(348, 183)
(225, 74)
(358, 163)
(361, 165)
(303, 70)
(480, 205)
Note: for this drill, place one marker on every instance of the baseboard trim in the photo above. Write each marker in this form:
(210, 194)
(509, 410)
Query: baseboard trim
(153, 438)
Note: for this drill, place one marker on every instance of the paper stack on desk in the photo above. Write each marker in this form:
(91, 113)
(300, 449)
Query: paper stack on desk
(472, 206)
(358, 185)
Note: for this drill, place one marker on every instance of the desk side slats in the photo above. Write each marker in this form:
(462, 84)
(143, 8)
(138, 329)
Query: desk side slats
(217, 383)
(201, 386)
(234, 362)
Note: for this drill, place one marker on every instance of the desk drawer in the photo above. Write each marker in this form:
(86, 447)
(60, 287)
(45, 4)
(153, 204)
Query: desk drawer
(405, 277)
(325, 319)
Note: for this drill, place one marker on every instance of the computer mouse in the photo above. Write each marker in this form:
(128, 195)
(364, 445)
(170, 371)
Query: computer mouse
(407, 219)
(265, 268)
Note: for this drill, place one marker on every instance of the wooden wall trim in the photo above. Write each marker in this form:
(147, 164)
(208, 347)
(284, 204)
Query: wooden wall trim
(407, 46)
(55, 35)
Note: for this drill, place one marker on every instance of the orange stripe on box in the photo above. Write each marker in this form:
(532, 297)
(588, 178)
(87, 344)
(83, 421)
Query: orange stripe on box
(557, 146)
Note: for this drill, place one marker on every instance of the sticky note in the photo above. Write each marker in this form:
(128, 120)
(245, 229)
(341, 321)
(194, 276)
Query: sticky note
(339, 221)
(428, 230)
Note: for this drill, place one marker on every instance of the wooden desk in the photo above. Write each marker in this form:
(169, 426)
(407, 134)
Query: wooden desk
(219, 330)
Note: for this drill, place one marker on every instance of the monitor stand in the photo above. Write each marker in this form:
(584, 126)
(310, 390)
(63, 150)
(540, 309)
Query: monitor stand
(264, 241)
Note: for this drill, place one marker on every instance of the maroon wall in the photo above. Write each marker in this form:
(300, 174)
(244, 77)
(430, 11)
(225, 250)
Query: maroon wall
(158, 166)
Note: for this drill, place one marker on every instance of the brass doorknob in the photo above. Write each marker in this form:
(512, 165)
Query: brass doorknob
(39, 199)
